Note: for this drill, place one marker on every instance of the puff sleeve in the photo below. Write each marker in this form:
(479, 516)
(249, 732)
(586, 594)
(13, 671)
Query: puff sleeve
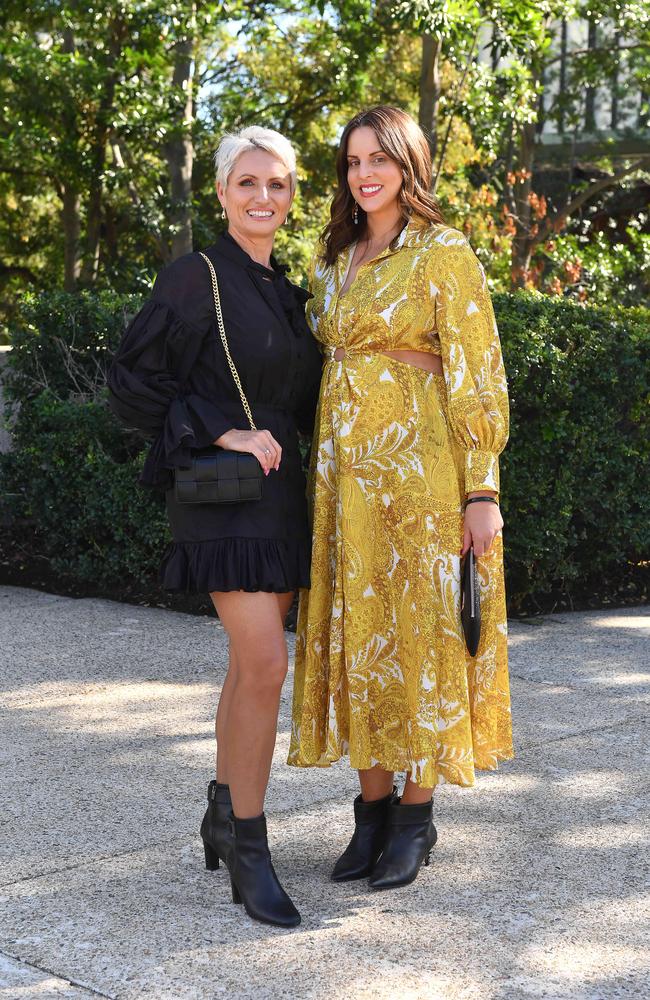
(146, 390)
(472, 361)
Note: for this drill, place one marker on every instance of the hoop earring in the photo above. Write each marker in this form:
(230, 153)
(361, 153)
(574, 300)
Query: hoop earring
(355, 214)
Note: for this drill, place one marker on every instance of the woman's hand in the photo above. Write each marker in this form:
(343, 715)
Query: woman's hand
(262, 444)
(482, 522)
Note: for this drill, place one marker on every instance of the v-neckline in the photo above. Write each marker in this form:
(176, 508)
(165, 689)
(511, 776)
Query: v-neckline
(386, 251)
(351, 253)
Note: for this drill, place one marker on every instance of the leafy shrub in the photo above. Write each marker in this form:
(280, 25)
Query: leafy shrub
(599, 268)
(574, 475)
(64, 342)
(69, 489)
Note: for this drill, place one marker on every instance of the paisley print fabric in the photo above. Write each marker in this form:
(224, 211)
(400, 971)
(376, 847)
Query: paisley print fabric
(381, 672)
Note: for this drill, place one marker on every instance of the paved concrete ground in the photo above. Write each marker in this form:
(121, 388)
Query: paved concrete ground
(537, 884)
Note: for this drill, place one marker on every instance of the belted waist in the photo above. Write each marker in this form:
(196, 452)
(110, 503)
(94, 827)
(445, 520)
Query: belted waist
(424, 360)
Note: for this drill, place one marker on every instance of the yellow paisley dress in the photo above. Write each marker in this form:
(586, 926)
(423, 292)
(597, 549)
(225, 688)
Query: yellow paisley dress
(381, 671)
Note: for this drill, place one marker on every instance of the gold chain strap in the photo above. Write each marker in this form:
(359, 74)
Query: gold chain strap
(224, 341)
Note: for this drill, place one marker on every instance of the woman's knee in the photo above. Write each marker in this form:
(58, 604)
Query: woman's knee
(263, 671)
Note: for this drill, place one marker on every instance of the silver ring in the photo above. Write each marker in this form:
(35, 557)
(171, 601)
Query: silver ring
(267, 451)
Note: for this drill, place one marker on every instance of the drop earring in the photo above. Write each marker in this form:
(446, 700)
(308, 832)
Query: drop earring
(223, 214)
(355, 214)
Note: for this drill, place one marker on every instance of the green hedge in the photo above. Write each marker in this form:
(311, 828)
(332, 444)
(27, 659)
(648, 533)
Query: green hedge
(71, 496)
(576, 471)
(574, 476)
(58, 332)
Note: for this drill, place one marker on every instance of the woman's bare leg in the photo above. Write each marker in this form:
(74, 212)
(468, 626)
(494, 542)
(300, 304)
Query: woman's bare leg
(284, 603)
(375, 783)
(222, 715)
(415, 794)
(255, 627)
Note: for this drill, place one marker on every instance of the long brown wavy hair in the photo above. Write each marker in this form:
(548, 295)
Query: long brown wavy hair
(403, 140)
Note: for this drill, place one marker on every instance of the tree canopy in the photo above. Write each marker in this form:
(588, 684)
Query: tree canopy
(110, 113)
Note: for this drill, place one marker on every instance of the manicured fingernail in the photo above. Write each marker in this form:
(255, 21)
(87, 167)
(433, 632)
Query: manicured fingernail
(266, 472)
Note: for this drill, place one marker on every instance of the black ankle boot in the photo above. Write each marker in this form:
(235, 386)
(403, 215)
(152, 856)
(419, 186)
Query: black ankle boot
(252, 876)
(215, 828)
(410, 835)
(360, 856)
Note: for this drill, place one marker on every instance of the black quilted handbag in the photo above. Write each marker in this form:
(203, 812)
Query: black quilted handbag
(470, 607)
(217, 475)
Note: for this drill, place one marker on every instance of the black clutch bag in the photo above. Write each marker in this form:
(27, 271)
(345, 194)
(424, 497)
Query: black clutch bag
(470, 604)
(217, 475)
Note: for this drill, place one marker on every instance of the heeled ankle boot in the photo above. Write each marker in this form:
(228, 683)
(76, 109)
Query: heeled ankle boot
(410, 835)
(252, 875)
(215, 827)
(360, 856)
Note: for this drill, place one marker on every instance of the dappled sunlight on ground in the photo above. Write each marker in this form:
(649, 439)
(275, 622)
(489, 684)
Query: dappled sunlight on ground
(535, 886)
(626, 622)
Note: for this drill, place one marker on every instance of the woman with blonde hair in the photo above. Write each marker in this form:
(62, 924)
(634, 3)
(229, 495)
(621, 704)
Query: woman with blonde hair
(202, 383)
(413, 414)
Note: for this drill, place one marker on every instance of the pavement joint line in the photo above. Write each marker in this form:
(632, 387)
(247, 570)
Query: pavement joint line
(97, 859)
(581, 732)
(335, 800)
(63, 979)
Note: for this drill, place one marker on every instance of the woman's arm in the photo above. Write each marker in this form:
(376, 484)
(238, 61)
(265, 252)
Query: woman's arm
(476, 382)
(146, 390)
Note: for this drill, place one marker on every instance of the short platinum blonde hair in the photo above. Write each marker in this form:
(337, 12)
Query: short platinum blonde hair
(233, 144)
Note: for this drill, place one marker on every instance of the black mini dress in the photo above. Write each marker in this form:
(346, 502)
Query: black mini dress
(170, 378)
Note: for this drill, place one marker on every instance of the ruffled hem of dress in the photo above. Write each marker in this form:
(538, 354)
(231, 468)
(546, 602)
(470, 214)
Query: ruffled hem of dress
(270, 565)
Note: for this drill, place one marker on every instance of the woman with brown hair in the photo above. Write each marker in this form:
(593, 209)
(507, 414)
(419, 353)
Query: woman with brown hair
(412, 416)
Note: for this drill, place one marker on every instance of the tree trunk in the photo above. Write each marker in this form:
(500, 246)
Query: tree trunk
(96, 189)
(179, 148)
(430, 91)
(68, 190)
(590, 95)
(99, 145)
(613, 120)
(71, 219)
(563, 73)
(522, 243)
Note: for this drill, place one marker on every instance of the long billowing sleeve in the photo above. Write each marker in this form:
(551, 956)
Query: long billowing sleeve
(147, 389)
(473, 364)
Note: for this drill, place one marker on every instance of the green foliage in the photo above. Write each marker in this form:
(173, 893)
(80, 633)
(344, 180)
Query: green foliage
(576, 472)
(574, 475)
(89, 103)
(62, 342)
(600, 269)
(68, 490)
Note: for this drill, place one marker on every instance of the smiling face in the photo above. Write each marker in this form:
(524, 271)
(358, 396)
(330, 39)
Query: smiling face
(258, 195)
(374, 178)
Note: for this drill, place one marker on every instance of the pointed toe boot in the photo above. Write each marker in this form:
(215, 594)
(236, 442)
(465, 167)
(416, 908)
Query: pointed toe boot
(252, 875)
(360, 856)
(410, 835)
(215, 828)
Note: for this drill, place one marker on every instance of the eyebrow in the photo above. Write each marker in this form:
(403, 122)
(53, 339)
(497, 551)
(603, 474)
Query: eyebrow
(354, 155)
(256, 178)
